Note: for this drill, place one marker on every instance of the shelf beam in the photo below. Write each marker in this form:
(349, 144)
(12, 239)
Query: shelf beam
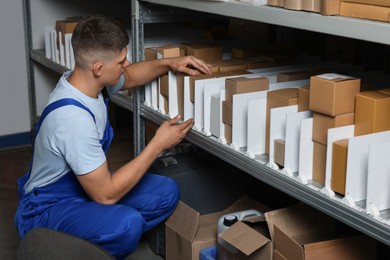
(361, 29)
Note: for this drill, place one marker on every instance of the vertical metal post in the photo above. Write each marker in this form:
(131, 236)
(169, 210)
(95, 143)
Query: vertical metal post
(137, 43)
(30, 68)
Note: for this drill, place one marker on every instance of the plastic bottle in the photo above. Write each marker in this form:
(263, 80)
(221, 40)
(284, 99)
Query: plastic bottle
(228, 220)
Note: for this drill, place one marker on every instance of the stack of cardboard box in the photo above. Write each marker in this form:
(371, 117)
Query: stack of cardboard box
(367, 9)
(325, 7)
(332, 99)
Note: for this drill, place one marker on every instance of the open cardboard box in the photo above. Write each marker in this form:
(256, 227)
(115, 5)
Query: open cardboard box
(302, 232)
(187, 232)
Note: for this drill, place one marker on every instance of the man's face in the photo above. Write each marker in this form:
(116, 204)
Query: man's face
(114, 67)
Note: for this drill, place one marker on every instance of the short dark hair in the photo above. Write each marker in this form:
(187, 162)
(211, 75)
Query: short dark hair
(99, 34)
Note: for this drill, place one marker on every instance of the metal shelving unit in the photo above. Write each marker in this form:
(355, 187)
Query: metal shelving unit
(343, 26)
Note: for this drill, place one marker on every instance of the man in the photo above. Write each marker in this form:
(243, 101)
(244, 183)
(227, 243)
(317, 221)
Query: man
(69, 187)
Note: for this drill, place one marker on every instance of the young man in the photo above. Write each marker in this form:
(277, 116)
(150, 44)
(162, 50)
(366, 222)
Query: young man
(69, 187)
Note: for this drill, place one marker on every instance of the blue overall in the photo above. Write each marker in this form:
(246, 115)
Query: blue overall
(64, 206)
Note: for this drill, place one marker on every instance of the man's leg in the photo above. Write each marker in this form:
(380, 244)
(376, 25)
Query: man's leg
(155, 197)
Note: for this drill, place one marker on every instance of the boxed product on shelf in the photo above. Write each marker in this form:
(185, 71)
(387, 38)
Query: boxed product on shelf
(321, 124)
(370, 2)
(278, 98)
(279, 148)
(188, 231)
(167, 51)
(330, 7)
(319, 163)
(244, 84)
(228, 65)
(207, 51)
(293, 4)
(339, 165)
(279, 3)
(302, 232)
(293, 75)
(372, 112)
(303, 98)
(311, 5)
(227, 112)
(333, 94)
(228, 133)
(365, 11)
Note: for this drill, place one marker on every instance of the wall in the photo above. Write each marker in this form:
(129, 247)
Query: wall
(14, 93)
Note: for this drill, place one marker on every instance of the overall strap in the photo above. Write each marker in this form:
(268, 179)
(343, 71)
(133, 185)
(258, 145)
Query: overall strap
(60, 103)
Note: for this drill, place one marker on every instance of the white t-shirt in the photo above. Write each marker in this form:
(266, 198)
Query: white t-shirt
(69, 138)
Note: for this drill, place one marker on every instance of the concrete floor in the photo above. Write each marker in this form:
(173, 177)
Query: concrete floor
(14, 163)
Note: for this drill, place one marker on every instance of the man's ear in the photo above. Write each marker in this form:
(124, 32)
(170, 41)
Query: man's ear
(97, 68)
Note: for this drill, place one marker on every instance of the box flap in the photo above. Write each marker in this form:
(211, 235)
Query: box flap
(184, 220)
(244, 203)
(244, 238)
(298, 219)
(207, 227)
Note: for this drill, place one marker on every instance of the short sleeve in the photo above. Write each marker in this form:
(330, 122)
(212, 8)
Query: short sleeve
(78, 141)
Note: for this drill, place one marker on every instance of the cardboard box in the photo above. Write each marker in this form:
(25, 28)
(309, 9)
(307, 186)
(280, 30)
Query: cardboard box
(279, 3)
(372, 12)
(372, 112)
(304, 233)
(251, 242)
(150, 54)
(303, 98)
(370, 2)
(330, 7)
(244, 84)
(333, 94)
(279, 151)
(311, 5)
(339, 165)
(206, 51)
(293, 4)
(227, 112)
(321, 124)
(278, 98)
(164, 85)
(228, 133)
(187, 232)
(228, 65)
(168, 52)
(293, 75)
(319, 163)
(278, 256)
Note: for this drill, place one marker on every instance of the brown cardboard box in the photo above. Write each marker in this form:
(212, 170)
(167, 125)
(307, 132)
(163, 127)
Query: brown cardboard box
(303, 233)
(245, 52)
(150, 54)
(370, 2)
(278, 256)
(240, 85)
(321, 124)
(372, 12)
(339, 166)
(333, 94)
(65, 27)
(187, 232)
(164, 88)
(168, 52)
(228, 133)
(303, 98)
(279, 151)
(278, 98)
(293, 75)
(293, 4)
(180, 92)
(330, 7)
(279, 3)
(372, 112)
(311, 5)
(206, 51)
(227, 112)
(254, 242)
(319, 162)
(228, 65)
